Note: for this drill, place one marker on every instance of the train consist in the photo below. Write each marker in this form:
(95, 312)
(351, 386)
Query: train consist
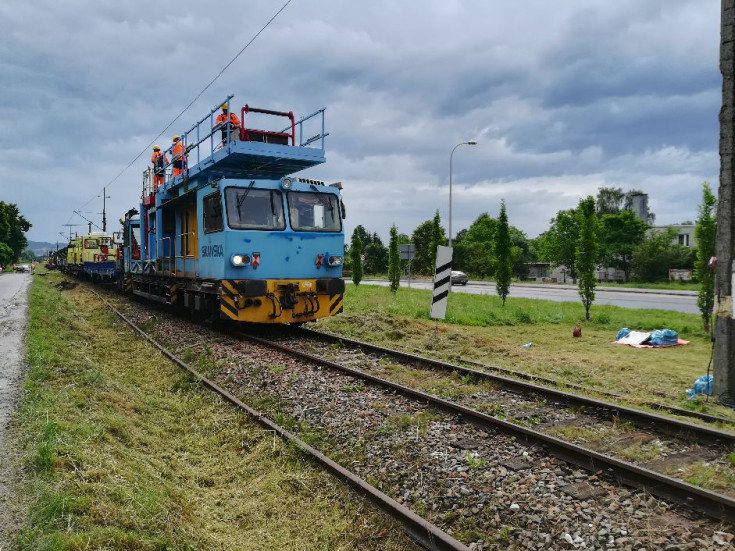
(228, 232)
(94, 255)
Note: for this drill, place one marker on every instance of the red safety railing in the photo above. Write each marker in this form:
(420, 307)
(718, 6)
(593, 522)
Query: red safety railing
(252, 134)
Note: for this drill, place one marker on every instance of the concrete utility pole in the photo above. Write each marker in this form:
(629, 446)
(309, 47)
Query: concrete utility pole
(724, 352)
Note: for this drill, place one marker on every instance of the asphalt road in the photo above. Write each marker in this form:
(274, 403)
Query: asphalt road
(679, 301)
(13, 308)
(13, 311)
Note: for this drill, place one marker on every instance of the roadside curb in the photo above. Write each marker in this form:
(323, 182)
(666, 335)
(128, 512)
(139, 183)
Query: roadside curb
(552, 286)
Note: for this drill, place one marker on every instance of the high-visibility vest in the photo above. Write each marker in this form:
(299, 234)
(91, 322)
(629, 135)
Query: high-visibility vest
(179, 154)
(234, 120)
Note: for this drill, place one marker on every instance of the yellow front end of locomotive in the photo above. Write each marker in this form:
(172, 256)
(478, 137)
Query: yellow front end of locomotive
(281, 300)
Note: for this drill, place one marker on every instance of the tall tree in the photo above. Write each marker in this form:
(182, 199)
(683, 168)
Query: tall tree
(705, 232)
(356, 257)
(12, 229)
(376, 257)
(659, 252)
(362, 234)
(613, 200)
(394, 260)
(522, 252)
(609, 200)
(421, 239)
(587, 250)
(558, 245)
(474, 247)
(503, 257)
(620, 235)
(437, 236)
(6, 255)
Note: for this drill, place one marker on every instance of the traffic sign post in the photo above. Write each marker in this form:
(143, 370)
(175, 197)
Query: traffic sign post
(407, 252)
(442, 283)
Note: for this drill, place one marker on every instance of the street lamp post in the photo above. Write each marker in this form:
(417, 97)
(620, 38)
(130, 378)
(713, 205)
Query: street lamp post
(469, 142)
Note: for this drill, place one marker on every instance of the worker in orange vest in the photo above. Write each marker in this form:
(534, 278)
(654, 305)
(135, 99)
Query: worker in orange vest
(159, 161)
(232, 121)
(179, 152)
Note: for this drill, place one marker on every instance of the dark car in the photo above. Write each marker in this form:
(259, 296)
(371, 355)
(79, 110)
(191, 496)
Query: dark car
(459, 278)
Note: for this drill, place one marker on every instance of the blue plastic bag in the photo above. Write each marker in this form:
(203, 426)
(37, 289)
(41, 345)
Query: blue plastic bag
(624, 332)
(663, 337)
(703, 385)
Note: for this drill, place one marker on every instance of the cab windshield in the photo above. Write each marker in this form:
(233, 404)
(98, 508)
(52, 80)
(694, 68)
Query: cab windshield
(314, 211)
(250, 208)
(91, 244)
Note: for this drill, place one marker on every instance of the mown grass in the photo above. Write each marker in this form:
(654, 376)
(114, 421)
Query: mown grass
(479, 328)
(118, 449)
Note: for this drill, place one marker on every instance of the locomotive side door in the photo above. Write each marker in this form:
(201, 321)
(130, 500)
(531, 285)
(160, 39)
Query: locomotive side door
(188, 236)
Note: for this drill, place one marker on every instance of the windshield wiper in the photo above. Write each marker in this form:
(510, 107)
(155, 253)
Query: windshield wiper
(273, 205)
(241, 199)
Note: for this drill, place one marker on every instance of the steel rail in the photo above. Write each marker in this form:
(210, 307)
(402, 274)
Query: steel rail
(422, 531)
(653, 405)
(705, 501)
(674, 427)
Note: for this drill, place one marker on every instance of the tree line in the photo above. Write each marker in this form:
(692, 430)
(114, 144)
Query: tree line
(601, 231)
(12, 233)
(624, 243)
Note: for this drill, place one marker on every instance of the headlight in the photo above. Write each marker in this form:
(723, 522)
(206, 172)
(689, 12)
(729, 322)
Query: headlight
(334, 260)
(286, 183)
(240, 260)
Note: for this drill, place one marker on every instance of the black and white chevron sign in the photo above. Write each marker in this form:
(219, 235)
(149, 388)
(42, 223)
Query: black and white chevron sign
(442, 282)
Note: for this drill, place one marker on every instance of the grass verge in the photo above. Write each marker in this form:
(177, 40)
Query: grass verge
(479, 328)
(118, 449)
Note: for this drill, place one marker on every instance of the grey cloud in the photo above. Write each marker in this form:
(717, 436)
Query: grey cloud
(562, 97)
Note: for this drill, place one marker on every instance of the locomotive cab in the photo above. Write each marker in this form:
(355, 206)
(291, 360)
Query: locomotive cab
(236, 235)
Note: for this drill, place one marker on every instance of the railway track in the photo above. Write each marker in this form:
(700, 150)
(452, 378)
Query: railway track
(423, 532)
(710, 503)
(462, 445)
(694, 432)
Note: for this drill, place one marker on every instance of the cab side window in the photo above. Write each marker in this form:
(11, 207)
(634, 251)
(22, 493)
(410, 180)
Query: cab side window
(213, 220)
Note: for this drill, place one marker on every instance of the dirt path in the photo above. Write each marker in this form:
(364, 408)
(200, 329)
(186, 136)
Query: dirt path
(13, 317)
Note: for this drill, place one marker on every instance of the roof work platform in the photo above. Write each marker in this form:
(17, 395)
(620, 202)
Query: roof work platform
(217, 150)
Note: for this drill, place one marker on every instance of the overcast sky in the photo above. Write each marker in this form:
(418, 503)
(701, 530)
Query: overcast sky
(562, 97)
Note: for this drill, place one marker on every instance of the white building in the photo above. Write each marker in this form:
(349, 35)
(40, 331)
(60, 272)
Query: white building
(685, 235)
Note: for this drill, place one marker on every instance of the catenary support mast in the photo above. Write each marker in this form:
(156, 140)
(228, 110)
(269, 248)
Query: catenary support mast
(724, 352)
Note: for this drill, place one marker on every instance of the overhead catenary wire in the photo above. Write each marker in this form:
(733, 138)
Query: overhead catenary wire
(185, 109)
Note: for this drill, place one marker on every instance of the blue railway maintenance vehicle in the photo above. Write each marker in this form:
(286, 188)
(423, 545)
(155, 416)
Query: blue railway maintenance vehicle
(236, 235)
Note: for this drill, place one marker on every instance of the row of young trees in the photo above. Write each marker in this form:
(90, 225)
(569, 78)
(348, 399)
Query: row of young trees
(605, 232)
(367, 254)
(12, 233)
(600, 231)
(475, 251)
(624, 243)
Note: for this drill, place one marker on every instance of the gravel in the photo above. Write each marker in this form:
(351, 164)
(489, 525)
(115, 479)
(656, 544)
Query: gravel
(483, 487)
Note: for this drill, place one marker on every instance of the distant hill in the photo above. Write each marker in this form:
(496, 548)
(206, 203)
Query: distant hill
(41, 248)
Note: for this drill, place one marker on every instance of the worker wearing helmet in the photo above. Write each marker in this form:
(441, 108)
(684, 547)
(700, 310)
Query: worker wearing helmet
(159, 161)
(231, 122)
(179, 152)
